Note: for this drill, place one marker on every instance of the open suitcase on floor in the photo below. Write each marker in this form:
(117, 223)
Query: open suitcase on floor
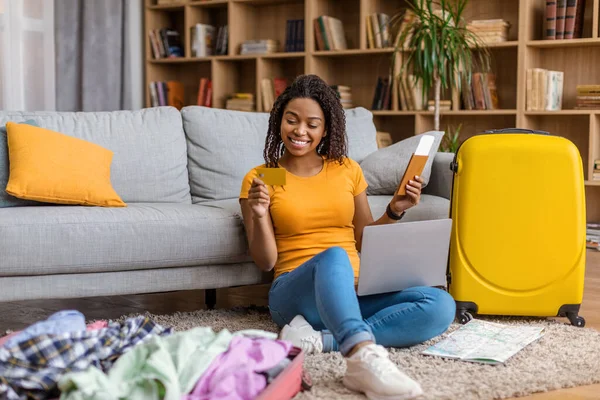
(519, 223)
(290, 381)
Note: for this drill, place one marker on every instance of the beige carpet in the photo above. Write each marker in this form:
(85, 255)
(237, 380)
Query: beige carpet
(565, 357)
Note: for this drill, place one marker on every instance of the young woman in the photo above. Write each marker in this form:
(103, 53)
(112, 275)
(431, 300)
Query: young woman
(310, 231)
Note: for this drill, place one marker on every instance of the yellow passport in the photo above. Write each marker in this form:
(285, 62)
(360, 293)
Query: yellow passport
(272, 176)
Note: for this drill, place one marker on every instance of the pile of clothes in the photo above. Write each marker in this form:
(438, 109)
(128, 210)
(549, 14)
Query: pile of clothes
(63, 358)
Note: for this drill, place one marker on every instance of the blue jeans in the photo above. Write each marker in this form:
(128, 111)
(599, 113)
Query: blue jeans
(322, 291)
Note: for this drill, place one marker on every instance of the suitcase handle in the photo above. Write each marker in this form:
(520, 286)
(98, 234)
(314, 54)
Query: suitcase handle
(517, 130)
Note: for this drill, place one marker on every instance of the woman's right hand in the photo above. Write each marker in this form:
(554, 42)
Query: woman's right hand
(258, 198)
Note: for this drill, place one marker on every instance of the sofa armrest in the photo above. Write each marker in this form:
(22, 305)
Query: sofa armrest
(440, 180)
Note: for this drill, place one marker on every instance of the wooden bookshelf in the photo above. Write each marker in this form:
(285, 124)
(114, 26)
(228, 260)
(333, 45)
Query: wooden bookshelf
(359, 66)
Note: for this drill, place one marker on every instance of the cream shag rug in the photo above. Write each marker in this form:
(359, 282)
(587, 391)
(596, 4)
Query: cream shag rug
(565, 356)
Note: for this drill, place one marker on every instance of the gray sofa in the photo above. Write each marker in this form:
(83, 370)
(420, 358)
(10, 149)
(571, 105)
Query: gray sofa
(180, 174)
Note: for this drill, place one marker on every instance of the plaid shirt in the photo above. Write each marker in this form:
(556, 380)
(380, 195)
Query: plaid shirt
(31, 369)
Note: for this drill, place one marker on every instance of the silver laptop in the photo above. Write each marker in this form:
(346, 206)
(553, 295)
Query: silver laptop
(402, 255)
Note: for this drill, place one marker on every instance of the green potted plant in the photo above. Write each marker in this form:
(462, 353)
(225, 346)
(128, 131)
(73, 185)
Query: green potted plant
(451, 139)
(437, 48)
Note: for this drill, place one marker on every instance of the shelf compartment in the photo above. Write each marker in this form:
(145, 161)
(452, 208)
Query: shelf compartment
(577, 63)
(256, 20)
(165, 17)
(233, 76)
(535, 10)
(188, 74)
(391, 124)
(270, 68)
(592, 202)
(576, 128)
(507, 10)
(347, 11)
(359, 72)
(199, 13)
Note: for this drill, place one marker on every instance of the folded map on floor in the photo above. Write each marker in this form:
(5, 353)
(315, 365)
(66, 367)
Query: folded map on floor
(485, 342)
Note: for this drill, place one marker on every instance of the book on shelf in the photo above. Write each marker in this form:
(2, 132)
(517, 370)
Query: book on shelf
(344, 93)
(240, 102)
(329, 33)
(563, 19)
(481, 93)
(165, 43)
(382, 99)
(294, 35)
(490, 30)
(544, 89)
(169, 93)
(204, 93)
(588, 97)
(204, 42)
(261, 46)
(409, 92)
(271, 89)
(408, 18)
(378, 31)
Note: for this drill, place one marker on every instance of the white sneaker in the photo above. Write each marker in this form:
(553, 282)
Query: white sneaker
(371, 372)
(302, 335)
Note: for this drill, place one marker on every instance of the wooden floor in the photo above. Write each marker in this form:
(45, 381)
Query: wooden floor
(18, 315)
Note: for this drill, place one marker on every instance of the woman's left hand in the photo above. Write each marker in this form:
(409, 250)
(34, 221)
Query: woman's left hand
(401, 203)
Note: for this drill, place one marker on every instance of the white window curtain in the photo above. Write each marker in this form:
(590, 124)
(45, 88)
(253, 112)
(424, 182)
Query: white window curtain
(27, 59)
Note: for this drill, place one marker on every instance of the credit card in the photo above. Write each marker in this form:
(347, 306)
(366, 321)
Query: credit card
(272, 176)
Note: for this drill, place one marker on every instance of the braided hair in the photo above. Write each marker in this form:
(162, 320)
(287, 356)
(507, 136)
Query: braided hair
(334, 144)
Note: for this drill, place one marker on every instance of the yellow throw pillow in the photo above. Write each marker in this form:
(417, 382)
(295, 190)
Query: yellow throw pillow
(52, 167)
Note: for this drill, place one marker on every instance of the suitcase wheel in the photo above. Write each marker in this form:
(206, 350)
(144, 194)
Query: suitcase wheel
(576, 320)
(464, 316)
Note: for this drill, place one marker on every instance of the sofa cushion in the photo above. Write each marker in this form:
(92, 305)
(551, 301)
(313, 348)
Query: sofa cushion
(150, 154)
(384, 169)
(51, 167)
(223, 145)
(7, 200)
(430, 207)
(77, 239)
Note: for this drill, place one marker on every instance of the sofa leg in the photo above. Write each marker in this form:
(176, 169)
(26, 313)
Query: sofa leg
(210, 298)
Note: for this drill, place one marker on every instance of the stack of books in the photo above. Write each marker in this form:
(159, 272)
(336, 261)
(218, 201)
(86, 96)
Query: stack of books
(563, 19)
(344, 93)
(263, 46)
(165, 43)
(482, 93)
(378, 31)
(593, 236)
(240, 102)
(490, 30)
(329, 33)
(294, 35)
(588, 97)
(544, 89)
(445, 105)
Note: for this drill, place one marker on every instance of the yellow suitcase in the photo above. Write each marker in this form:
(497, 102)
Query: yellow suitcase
(518, 231)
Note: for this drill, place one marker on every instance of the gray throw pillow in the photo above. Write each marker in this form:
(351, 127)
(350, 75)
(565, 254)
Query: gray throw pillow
(7, 200)
(383, 169)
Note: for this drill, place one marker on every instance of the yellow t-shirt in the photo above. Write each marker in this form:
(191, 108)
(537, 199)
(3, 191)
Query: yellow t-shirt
(312, 214)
